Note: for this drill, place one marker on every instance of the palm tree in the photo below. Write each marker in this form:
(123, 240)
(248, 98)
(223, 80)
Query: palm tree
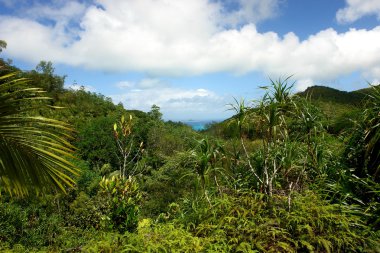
(34, 150)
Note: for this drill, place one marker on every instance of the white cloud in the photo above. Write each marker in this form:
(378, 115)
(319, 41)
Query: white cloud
(247, 11)
(146, 83)
(125, 84)
(149, 83)
(82, 87)
(357, 9)
(171, 37)
(372, 74)
(64, 15)
(303, 84)
(60, 11)
(176, 102)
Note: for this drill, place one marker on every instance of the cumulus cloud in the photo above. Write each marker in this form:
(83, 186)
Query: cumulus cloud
(149, 83)
(82, 87)
(171, 37)
(124, 84)
(64, 15)
(238, 12)
(302, 84)
(146, 83)
(177, 102)
(356, 9)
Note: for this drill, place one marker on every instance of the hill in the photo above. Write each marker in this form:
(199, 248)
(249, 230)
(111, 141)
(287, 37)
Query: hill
(331, 95)
(340, 109)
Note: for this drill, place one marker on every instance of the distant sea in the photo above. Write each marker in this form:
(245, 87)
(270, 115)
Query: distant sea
(199, 125)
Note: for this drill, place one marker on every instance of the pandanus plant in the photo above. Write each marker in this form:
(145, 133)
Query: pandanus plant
(269, 119)
(34, 151)
(206, 161)
(372, 133)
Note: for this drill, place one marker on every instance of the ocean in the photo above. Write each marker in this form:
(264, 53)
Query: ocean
(199, 125)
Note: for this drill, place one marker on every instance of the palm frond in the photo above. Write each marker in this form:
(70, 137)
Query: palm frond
(34, 150)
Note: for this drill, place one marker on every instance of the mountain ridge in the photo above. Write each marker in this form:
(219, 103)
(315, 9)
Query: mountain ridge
(328, 94)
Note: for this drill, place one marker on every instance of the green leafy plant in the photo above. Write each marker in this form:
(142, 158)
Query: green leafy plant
(206, 158)
(311, 224)
(128, 153)
(33, 149)
(122, 198)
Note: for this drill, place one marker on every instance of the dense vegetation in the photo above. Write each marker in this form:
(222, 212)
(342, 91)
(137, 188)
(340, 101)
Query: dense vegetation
(285, 174)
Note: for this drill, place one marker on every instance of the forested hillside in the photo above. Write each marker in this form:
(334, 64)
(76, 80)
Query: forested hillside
(288, 173)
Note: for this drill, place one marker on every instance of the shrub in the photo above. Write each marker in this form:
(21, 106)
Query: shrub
(122, 197)
(246, 222)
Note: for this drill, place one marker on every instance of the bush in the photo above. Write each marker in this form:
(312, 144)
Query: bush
(29, 225)
(246, 222)
(122, 198)
(166, 185)
(162, 238)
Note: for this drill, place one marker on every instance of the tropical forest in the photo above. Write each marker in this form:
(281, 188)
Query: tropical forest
(289, 172)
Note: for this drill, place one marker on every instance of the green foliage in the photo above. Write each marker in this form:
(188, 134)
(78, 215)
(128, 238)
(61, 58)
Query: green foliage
(96, 142)
(105, 242)
(227, 129)
(171, 182)
(45, 78)
(162, 238)
(3, 45)
(344, 121)
(129, 152)
(308, 224)
(372, 133)
(155, 113)
(29, 225)
(363, 146)
(122, 198)
(165, 139)
(79, 106)
(89, 179)
(106, 169)
(207, 162)
(33, 150)
(84, 212)
(293, 150)
(149, 237)
(270, 120)
(330, 95)
(242, 114)
(290, 175)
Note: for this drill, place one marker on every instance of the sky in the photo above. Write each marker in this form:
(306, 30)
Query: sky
(192, 58)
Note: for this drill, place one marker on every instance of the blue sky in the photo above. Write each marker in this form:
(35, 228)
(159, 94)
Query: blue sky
(192, 57)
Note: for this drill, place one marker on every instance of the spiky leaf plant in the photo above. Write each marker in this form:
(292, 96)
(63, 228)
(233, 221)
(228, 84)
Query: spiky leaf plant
(372, 133)
(34, 150)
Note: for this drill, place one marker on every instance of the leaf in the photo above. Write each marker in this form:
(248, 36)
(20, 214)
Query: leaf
(33, 150)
